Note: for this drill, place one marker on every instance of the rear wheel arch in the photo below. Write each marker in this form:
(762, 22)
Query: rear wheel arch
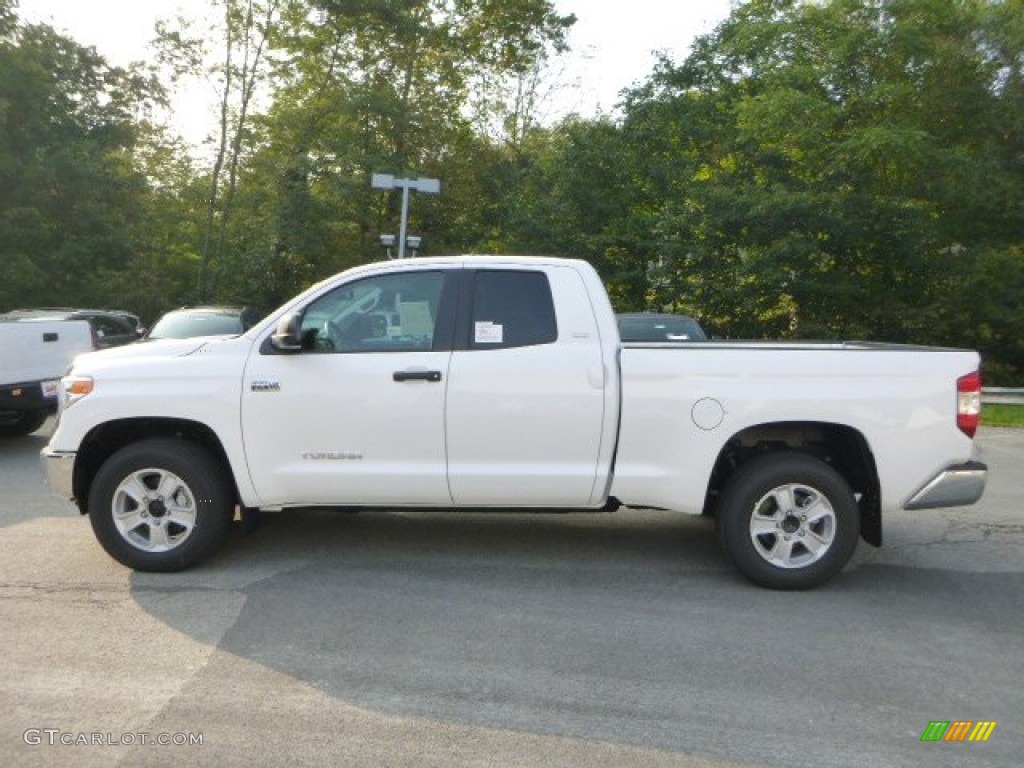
(841, 447)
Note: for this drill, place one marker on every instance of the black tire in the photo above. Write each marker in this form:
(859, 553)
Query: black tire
(788, 521)
(25, 423)
(161, 505)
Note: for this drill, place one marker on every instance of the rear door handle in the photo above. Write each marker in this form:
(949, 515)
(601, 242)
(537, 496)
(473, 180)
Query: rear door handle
(434, 376)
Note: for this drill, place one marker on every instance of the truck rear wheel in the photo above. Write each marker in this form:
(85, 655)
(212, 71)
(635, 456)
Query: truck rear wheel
(161, 504)
(788, 521)
(24, 423)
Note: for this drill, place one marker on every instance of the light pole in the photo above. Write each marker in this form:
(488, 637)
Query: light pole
(387, 181)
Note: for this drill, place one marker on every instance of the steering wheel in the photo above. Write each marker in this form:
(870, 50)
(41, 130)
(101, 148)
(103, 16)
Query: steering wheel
(328, 337)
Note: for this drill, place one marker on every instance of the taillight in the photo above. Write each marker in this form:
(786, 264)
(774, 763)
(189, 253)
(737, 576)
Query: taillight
(968, 403)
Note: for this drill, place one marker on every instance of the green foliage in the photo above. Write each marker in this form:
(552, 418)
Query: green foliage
(1003, 416)
(72, 202)
(842, 169)
(357, 87)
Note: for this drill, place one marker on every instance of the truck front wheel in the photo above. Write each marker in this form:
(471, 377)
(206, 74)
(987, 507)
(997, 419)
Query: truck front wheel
(788, 521)
(161, 504)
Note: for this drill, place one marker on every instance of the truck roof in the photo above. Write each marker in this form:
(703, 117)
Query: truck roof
(482, 258)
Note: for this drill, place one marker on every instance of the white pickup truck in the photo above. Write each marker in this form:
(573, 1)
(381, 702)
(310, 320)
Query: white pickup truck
(501, 383)
(34, 353)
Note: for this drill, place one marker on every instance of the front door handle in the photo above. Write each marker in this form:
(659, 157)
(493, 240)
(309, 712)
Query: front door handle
(434, 376)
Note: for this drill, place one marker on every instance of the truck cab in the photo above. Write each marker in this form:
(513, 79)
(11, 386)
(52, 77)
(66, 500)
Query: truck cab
(429, 384)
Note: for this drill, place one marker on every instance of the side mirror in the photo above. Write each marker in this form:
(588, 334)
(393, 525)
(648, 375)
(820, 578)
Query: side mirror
(287, 338)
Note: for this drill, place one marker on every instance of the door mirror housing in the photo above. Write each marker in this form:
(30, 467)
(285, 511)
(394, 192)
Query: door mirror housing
(288, 338)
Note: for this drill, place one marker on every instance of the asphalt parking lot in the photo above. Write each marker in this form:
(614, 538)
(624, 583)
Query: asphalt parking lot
(392, 639)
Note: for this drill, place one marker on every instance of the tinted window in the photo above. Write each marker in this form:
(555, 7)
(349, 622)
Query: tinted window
(512, 309)
(107, 326)
(658, 327)
(389, 313)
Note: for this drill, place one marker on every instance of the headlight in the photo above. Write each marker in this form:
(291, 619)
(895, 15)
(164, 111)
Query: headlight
(75, 388)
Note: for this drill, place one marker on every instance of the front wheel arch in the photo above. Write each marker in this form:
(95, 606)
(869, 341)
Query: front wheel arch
(104, 440)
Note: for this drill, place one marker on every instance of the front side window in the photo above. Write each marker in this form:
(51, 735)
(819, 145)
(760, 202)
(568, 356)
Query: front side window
(388, 313)
(512, 309)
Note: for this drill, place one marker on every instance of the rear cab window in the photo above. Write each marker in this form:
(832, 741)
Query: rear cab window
(511, 308)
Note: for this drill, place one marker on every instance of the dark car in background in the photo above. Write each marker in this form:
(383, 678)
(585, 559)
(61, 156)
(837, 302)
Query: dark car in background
(110, 327)
(655, 326)
(190, 322)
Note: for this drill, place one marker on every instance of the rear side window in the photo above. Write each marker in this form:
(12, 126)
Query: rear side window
(512, 309)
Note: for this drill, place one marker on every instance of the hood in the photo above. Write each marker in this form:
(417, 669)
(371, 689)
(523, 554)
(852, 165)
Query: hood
(157, 349)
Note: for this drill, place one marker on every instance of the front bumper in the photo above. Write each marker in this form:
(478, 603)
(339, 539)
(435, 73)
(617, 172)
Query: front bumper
(60, 471)
(28, 396)
(955, 486)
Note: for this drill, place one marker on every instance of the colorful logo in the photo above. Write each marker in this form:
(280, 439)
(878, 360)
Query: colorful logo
(958, 730)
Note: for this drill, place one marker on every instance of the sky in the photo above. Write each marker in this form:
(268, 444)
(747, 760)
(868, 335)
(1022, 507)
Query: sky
(613, 44)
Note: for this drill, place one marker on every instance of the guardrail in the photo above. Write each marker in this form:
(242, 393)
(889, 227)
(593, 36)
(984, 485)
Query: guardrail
(1002, 395)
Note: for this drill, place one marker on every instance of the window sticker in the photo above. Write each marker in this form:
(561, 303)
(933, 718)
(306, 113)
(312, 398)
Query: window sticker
(489, 333)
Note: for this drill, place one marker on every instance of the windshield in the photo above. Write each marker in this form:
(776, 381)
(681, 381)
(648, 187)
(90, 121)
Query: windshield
(185, 325)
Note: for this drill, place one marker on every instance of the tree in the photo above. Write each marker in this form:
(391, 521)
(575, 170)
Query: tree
(71, 196)
(244, 31)
(836, 168)
(379, 86)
